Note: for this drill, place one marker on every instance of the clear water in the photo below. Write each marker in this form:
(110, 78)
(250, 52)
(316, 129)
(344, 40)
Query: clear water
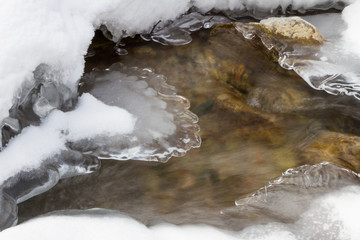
(256, 119)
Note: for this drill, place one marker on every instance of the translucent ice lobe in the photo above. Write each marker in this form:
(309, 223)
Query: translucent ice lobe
(177, 32)
(164, 125)
(285, 198)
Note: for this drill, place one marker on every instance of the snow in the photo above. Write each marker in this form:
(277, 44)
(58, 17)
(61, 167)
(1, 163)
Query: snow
(38, 143)
(351, 35)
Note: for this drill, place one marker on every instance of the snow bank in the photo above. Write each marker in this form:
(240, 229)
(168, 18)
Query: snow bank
(58, 32)
(103, 224)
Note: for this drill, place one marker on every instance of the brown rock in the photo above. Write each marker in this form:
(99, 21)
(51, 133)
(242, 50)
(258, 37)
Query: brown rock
(339, 148)
(290, 28)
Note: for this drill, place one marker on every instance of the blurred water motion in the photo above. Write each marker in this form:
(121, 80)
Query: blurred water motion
(256, 119)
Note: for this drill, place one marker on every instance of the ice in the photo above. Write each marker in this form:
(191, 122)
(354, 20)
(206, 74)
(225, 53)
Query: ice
(129, 113)
(308, 202)
(286, 197)
(331, 67)
(259, 9)
(177, 32)
(164, 126)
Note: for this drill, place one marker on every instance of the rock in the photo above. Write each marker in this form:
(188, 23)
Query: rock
(256, 79)
(290, 99)
(281, 38)
(293, 29)
(335, 147)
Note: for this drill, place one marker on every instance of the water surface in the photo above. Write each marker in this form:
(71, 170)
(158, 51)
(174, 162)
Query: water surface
(256, 120)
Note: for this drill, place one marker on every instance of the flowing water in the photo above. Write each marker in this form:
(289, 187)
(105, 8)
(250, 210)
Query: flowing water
(256, 119)
(113, 142)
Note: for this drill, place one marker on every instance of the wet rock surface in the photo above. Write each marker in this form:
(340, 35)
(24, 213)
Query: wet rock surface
(293, 29)
(255, 120)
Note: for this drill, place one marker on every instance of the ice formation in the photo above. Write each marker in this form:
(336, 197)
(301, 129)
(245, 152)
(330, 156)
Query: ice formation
(178, 32)
(307, 202)
(332, 66)
(164, 127)
(130, 113)
(286, 197)
(331, 216)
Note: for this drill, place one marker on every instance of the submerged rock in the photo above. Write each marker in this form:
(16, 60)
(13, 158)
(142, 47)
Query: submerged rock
(339, 148)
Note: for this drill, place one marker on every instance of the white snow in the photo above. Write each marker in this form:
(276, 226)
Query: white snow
(38, 143)
(58, 32)
(103, 224)
(351, 35)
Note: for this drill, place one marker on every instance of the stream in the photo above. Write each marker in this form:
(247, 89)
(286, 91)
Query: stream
(257, 120)
(210, 125)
